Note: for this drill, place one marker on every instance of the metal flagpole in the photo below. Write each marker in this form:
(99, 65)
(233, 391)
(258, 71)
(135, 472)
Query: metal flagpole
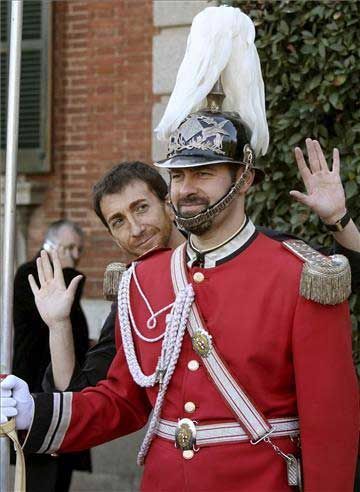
(9, 213)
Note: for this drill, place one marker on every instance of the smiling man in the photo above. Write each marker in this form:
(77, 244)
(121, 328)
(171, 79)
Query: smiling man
(131, 202)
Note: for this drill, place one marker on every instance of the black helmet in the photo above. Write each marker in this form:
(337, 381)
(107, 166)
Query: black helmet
(208, 137)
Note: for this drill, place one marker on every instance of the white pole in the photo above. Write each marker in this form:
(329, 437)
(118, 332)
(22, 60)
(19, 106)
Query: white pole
(10, 214)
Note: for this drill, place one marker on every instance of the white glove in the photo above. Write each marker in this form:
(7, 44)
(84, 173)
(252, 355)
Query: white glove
(16, 401)
(3, 419)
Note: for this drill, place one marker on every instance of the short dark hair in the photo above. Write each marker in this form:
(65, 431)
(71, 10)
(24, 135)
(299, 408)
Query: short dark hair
(120, 176)
(54, 228)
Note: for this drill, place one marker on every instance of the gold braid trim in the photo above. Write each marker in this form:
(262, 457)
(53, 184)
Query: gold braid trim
(8, 429)
(324, 279)
(112, 277)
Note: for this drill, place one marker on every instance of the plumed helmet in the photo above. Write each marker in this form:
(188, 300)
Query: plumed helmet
(221, 55)
(207, 137)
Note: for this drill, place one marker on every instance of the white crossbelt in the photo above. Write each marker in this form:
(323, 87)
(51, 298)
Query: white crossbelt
(240, 403)
(228, 432)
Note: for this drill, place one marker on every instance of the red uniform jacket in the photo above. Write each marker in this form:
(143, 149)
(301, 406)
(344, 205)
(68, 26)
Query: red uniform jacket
(291, 355)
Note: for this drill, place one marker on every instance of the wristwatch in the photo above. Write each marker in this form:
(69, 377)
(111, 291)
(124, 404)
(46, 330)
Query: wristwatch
(339, 224)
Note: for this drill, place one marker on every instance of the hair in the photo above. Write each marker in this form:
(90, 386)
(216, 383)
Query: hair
(54, 228)
(115, 180)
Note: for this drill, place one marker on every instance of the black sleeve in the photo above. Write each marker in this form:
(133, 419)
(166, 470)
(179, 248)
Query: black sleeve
(97, 360)
(354, 260)
(352, 256)
(31, 335)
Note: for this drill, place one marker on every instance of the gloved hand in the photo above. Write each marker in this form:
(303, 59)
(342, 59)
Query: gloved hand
(3, 419)
(16, 401)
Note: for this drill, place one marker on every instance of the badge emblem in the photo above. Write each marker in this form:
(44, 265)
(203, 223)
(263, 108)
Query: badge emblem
(201, 342)
(185, 434)
(198, 132)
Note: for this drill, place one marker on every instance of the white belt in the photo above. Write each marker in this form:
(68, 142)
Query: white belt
(225, 432)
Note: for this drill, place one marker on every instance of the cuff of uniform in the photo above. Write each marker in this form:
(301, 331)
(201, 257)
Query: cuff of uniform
(51, 420)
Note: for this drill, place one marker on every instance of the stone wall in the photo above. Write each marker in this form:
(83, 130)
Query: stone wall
(172, 19)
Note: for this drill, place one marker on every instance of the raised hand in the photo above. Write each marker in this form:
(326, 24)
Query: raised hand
(325, 192)
(53, 300)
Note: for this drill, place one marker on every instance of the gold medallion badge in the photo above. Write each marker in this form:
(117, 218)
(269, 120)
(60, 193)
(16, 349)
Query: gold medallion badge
(201, 342)
(185, 434)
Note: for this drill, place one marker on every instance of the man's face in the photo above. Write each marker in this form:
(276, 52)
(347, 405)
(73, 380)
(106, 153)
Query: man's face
(138, 220)
(71, 245)
(192, 190)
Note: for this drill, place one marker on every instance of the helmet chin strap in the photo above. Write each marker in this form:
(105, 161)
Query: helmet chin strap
(216, 208)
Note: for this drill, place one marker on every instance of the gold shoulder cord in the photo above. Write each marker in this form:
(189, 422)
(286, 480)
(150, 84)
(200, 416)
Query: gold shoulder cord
(8, 430)
(324, 279)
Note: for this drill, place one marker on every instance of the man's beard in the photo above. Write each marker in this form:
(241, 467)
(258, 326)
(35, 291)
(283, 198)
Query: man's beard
(197, 229)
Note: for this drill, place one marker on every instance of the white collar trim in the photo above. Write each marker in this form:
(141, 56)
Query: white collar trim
(212, 258)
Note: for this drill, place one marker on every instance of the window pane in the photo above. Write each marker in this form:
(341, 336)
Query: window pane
(33, 153)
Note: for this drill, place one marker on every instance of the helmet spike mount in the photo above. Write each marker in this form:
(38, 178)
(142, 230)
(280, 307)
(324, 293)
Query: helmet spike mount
(216, 97)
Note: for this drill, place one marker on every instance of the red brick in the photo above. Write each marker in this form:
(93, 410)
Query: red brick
(102, 89)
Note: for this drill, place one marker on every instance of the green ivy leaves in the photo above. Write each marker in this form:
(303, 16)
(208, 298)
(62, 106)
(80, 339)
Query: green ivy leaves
(310, 57)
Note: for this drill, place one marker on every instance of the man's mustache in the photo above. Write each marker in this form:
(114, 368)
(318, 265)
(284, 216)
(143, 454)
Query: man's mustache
(192, 200)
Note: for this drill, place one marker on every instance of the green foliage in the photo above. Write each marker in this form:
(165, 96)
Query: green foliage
(309, 53)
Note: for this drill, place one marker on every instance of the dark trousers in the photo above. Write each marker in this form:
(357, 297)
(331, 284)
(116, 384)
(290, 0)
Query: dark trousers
(357, 477)
(47, 473)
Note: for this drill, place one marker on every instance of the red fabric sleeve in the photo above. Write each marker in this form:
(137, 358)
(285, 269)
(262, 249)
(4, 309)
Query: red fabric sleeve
(327, 394)
(114, 407)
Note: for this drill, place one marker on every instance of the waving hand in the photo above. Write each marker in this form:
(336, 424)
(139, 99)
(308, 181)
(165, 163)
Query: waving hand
(53, 300)
(324, 191)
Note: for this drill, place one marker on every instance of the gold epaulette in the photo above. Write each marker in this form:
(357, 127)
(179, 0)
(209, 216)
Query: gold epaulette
(112, 277)
(324, 279)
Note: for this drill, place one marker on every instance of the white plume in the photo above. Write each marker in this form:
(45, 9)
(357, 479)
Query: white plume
(221, 41)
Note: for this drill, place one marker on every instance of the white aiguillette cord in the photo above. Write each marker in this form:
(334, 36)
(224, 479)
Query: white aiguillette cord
(8, 430)
(170, 348)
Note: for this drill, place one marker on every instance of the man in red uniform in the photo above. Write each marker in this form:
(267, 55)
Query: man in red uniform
(237, 365)
(291, 355)
(272, 340)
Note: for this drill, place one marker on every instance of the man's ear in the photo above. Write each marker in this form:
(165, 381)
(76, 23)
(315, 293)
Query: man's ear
(250, 175)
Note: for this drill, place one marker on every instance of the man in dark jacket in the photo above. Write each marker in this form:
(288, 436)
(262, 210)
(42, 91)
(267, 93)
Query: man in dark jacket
(32, 353)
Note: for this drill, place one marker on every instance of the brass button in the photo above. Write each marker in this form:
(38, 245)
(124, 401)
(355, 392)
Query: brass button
(190, 407)
(193, 365)
(188, 454)
(198, 277)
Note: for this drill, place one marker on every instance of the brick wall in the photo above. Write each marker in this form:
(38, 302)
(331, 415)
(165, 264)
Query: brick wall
(101, 114)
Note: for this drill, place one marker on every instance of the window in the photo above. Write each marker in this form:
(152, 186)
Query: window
(34, 120)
